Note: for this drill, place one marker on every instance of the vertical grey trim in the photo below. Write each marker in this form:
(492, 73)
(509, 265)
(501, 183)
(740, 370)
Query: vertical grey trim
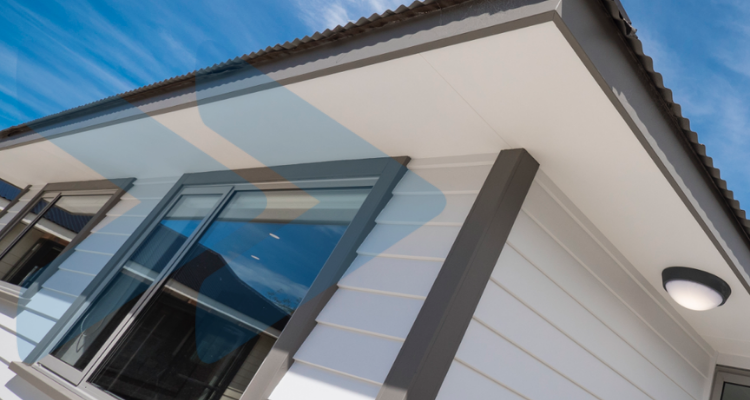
(124, 185)
(280, 358)
(429, 349)
(15, 200)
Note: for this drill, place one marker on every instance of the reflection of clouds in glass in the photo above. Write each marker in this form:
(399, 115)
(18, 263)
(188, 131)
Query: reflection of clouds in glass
(269, 283)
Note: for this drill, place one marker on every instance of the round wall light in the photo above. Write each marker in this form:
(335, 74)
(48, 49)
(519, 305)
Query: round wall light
(695, 289)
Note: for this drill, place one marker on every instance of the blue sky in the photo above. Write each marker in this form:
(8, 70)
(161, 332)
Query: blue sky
(702, 49)
(55, 56)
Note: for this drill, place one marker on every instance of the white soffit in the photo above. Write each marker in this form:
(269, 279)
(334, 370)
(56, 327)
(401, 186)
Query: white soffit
(528, 88)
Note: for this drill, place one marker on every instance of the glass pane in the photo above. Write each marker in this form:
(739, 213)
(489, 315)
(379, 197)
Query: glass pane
(48, 237)
(208, 329)
(735, 392)
(105, 313)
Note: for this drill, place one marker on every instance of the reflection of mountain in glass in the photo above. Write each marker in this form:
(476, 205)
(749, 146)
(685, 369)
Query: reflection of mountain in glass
(280, 269)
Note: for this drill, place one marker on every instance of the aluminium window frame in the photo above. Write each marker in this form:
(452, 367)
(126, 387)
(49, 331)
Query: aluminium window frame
(116, 188)
(386, 173)
(724, 374)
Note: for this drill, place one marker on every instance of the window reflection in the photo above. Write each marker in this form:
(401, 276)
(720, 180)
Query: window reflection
(210, 326)
(41, 245)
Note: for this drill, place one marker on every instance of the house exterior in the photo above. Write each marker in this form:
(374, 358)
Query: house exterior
(453, 200)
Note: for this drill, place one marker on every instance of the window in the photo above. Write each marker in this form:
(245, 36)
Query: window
(53, 221)
(197, 304)
(731, 384)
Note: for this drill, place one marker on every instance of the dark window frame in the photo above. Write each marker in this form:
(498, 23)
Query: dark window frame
(388, 172)
(725, 374)
(118, 187)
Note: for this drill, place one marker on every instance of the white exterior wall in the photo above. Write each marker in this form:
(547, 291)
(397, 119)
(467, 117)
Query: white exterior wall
(565, 317)
(21, 328)
(361, 330)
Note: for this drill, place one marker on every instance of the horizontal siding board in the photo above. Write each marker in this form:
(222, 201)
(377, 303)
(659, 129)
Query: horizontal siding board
(9, 349)
(545, 210)
(505, 363)
(84, 262)
(7, 217)
(50, 303)
(310, 383)
(462, 382)
(404, 240)
(150, 191)
(68, 282)
(453, 161)
(121, 225)
(446, 179)
(101, 243)
(377, 313)
(32, 326)
(392, 275)
(418, 209)
(505, 315)
(364, 356)
(31, 193)
(7, 316)
(516, 275)
(547, 255)
(134, 207)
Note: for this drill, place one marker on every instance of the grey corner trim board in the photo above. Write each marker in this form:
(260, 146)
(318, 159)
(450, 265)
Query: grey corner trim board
(432, 343)
(280, 358)
(14, 201)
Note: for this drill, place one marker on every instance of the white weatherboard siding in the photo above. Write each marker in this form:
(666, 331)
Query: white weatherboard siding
(561, 318)
(361, 330)
(21, 328)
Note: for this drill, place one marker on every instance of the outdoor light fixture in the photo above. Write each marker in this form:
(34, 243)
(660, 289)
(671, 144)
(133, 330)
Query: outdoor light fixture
(695, 289)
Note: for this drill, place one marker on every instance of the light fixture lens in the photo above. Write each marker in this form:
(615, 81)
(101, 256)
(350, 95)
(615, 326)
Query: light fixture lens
(695, 289)
(693, 296)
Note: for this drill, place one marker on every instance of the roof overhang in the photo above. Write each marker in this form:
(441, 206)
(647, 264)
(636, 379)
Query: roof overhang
(553, 77)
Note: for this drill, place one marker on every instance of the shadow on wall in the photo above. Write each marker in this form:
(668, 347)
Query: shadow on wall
(266, 122)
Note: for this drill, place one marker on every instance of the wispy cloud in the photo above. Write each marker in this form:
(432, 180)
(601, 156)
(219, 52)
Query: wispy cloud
(327, 14)
(703, 53)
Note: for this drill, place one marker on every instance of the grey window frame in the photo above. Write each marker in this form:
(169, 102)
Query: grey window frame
(725, 374)
(382, 174)
(116, 188)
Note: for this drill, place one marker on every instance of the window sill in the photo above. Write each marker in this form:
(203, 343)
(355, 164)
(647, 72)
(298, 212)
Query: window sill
(44, 383)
